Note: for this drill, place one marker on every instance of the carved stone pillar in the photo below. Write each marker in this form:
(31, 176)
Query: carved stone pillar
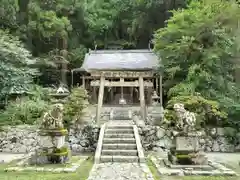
(142, 99)
(100, 99)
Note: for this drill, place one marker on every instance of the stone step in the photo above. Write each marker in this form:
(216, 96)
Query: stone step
(120, 152)
(117, 131)
(119, 127)
(120, 122)
(129, 159)
(108, 135)
(119, 146)
(118, 140)
(122, 118)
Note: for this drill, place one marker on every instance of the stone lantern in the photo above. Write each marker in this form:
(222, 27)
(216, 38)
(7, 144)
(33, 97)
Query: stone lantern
(155, 98)
(155, 112)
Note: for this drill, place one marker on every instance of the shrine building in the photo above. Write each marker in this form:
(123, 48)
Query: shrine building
(121, 77)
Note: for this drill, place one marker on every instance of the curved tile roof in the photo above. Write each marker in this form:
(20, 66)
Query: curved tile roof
(141, 59)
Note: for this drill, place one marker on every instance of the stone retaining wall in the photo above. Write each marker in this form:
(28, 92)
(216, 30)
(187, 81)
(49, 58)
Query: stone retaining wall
(159, 139)
(24, 138)
(19, 139)
(84, 139)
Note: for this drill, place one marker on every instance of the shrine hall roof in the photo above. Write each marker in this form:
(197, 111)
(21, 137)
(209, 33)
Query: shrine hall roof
(142, 59)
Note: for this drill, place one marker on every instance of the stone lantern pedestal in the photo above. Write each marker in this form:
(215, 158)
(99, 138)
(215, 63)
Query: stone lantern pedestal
(186, 150)
(53, 148)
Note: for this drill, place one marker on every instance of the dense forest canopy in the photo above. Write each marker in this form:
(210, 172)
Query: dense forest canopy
(200, 50)
(64, 30)
(44, 25)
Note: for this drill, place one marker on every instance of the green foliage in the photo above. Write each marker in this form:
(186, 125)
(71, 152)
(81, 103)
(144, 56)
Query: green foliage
(26, 110)
(233, 135)
(199, 50)
(169, 116)
(43, 24)
(8, 13)
(208, 112)
(77, 56)
(77, 101)
(153, 168)
(16, 74)
(23, 111)
(100, 15)
(48, 24)
(38, 92)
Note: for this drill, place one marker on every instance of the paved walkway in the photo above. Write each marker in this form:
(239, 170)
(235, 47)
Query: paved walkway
(134, 171)
(230, 160)
(7, 157)
(120, 171)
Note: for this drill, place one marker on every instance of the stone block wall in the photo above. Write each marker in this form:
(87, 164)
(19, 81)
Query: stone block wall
(154, 138)
(84, 139)
(158, 139)
(24, 138)
(19, 139)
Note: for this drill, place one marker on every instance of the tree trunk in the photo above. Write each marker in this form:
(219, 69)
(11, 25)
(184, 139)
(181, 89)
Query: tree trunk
(64, 64)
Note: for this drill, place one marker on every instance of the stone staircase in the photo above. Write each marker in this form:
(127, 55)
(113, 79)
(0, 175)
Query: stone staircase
(119, 144)
(121, 114)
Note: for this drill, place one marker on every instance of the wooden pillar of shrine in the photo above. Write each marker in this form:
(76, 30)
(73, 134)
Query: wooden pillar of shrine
(142, 98)
(100, 99)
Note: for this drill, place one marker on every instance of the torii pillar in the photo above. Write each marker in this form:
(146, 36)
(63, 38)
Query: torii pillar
(100, 99)
(142, 98)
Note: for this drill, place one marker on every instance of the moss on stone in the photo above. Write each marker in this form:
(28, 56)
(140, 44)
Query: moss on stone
(183, 156)
(53, 132)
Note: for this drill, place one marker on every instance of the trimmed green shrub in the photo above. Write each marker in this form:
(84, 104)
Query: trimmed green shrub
(76, 102)
(208, 112)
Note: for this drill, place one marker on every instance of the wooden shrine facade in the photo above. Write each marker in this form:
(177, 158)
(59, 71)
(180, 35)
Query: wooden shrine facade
(128, 73)
(145, 82)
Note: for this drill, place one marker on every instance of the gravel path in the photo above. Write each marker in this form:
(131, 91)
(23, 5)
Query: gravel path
(120, 171)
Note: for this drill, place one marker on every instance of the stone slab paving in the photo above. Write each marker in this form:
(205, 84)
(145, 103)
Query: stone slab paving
(120, 171)
(8, 157)
(224, 164)
(230, 160)
(72, 167)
